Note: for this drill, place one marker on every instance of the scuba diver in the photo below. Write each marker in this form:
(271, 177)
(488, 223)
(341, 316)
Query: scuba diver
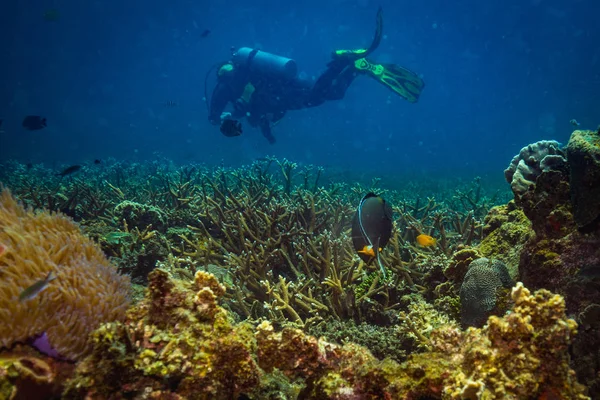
(262, 87)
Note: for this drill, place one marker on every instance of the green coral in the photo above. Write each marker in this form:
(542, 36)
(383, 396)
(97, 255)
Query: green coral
(506, 231)
(382, 341)
(363, 287)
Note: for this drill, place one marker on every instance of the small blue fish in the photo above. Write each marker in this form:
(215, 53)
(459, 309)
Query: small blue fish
(36, 288)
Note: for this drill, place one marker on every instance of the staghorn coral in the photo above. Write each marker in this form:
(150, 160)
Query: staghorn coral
(87, 290)
(583, 152)
(479, 292)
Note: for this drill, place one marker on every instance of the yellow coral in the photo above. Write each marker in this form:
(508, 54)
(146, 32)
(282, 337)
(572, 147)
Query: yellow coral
(87, 290)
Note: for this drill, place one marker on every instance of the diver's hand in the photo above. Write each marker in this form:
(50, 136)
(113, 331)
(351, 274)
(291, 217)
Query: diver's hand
(225, 116)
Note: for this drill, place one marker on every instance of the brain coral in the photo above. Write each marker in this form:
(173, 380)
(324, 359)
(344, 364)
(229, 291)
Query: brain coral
(478, 290)
(87, 290)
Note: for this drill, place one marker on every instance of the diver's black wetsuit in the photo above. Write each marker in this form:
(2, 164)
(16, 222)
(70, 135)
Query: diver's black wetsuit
(273, 96)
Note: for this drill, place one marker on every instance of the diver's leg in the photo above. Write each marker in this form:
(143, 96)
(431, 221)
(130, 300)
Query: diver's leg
(319, 92)
(332, 84)
(341, 83)
(265, 129)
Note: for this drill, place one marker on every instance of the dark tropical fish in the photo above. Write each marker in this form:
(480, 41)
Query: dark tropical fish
(372, 228)
(170, 103)
(34, 122)
(205, 33)
(29, 166)
(96, 161)
(70, 170)
(36, 288)
(231, 128)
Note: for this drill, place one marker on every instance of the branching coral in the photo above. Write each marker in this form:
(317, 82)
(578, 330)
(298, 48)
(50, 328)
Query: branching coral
(87, 290)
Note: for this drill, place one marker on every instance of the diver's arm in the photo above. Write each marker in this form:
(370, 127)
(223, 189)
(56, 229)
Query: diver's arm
(220, 97)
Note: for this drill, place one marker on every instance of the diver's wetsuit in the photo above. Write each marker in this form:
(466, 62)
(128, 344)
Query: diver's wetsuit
(272, 97)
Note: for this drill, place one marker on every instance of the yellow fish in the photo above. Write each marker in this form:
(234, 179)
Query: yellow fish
(368, 250)
(426, 240)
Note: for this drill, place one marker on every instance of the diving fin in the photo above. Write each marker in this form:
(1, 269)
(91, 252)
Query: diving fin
(402, 81)
(355, 54)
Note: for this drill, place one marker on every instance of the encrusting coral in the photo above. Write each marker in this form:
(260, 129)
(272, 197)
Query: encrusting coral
(179, 343)
(87, 290)
(177, 340)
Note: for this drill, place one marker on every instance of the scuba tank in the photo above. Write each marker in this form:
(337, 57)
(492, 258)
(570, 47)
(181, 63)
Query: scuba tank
(266, 63)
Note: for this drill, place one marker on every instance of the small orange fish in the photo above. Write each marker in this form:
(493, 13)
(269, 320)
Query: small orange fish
(426, 240)
(2, 249)
(368, 250)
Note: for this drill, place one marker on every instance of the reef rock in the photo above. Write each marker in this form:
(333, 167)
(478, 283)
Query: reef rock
(583, 153)
(526, 166)
(539, 178)
(479, 291)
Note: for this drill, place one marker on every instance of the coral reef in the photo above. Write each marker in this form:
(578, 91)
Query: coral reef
(480, 292)
(583, 151)
(87, 290)
(179, 343)
(268, 244)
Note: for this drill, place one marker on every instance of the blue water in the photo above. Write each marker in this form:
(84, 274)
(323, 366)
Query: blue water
(499, 75)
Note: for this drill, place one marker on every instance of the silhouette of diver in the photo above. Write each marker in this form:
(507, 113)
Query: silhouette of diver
(262, 86)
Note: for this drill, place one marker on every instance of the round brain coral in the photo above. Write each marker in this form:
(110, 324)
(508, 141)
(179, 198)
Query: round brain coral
(87, 290)
(479, 289)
